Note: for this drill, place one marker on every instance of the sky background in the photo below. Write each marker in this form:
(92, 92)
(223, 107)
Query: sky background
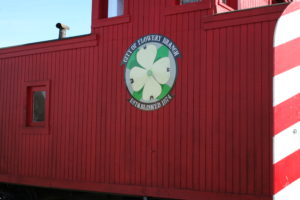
(29, 21)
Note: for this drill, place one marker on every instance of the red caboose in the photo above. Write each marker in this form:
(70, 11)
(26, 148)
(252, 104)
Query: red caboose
(205, 104)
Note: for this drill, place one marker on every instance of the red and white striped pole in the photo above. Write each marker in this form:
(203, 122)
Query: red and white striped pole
(286, 103)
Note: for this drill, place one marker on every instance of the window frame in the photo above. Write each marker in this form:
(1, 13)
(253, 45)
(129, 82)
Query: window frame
(29, 126)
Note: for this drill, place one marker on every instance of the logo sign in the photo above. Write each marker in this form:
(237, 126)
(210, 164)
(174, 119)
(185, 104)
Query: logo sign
(150, 73)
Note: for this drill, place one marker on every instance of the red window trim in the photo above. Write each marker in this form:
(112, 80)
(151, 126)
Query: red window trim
(30, 127)
(112, 21)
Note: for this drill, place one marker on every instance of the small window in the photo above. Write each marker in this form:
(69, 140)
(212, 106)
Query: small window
(229, 4)
(111, 8)
(181, 2)
(36, 107)
(281, 1)
(115, 8)
(184, 6)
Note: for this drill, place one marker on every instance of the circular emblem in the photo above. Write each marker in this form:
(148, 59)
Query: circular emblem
(150, 72)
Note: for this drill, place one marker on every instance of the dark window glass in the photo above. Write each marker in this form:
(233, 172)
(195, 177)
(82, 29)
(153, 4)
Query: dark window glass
(39, 99)
(189, 1)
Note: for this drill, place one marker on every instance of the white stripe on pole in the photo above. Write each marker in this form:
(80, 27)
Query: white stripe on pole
(290, 192)
(287, 28)
(286, 142)
(286, 85)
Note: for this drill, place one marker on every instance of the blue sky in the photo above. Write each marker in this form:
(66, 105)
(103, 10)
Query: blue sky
(28, 21)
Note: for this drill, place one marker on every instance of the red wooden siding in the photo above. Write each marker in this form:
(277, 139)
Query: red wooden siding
(240, 87)
(69, 81)
(212, 141)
